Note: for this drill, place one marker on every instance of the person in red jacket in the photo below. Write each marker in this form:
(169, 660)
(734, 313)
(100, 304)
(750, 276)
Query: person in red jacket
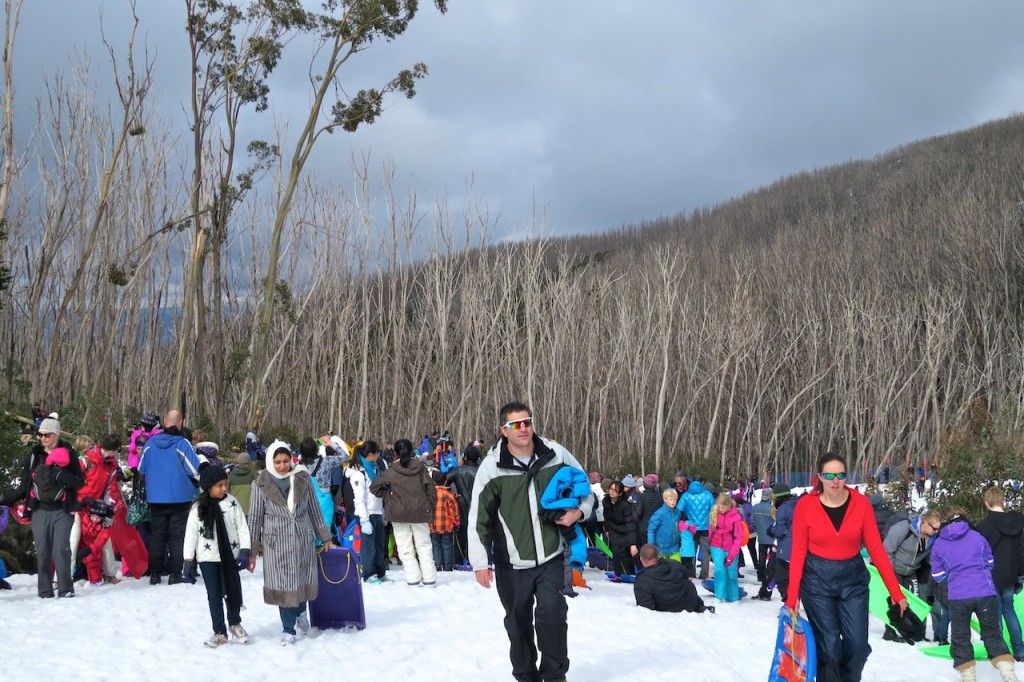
(830, 525)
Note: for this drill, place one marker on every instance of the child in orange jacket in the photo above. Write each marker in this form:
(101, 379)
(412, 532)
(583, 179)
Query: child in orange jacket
(442, 527)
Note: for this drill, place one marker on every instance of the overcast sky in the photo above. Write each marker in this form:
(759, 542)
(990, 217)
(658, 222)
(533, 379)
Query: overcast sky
(604, 113)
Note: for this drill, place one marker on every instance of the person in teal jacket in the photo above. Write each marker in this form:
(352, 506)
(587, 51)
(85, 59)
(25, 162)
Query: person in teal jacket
(663, 529)
(697, 504)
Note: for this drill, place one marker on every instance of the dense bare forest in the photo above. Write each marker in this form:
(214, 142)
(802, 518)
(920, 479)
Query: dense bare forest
(861, 307)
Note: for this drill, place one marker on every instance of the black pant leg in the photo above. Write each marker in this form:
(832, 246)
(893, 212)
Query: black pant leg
(214, 582)
(157, 545)
(177, 521)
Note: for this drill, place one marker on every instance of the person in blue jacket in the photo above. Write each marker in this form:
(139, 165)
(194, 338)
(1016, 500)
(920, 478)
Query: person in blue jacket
(663, 528)
(697, 504)
(170, 470)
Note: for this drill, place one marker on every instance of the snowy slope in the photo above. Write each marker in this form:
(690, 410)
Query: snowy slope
(134, 631)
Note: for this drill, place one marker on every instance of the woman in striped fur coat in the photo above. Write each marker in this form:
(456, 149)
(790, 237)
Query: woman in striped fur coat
(284, 515)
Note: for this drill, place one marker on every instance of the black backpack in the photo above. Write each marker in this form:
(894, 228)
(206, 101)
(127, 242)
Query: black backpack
(45, 486)
(893, 520)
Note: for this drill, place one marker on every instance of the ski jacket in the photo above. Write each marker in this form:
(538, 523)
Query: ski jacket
(240, 480)
(363, 503)
(761, 516)
(663, 529)
(650, 502)
(505, 509)
(137, 442)
(781, 530)
(94, 536)
(962, 558)
(99, 472)
(727, 533)
(666, 586)
(206, 549)
(813, 533)
(1004, 532)
(620, 523)
(461, 479)
(171, 468)
(687, 542)
(697, 504)
(568, 489)
(903, 545)
(409, 494)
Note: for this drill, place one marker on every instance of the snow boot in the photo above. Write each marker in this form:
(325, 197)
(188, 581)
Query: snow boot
(1004, 664)
(968, 673)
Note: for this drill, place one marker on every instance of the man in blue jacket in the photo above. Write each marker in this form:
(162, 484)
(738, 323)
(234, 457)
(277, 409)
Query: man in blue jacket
(170, 470)
(697, 504)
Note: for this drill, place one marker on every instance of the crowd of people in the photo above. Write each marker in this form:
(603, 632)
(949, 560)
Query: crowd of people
(167, 502)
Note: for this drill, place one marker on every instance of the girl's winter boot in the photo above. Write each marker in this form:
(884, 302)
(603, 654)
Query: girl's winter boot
(968, 672)
(1004, 664)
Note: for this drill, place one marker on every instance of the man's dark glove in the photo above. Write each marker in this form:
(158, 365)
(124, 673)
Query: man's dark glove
(83, 553)
(243, 560)
(1020, 585)
(188, 572)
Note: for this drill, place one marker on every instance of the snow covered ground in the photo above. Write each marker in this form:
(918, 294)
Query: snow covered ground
(134, 631)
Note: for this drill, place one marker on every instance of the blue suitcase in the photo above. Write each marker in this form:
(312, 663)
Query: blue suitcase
(339, 601)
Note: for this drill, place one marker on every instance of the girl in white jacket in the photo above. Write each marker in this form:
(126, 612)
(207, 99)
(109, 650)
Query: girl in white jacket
(217, 537)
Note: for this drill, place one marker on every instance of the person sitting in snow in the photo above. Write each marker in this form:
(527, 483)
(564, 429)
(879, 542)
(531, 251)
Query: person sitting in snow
(665, 585)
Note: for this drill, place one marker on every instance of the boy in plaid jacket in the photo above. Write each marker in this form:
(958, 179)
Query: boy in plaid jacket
(446, 520)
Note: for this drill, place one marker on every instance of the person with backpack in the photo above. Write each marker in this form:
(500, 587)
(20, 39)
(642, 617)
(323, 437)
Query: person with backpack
(50, 478)
(908, 543)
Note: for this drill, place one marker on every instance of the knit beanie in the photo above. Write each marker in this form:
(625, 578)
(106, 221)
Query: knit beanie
(49, 425)
(651, 480)
(211, 476)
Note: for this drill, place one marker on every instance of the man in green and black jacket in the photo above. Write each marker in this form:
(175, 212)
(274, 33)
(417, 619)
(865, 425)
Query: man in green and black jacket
(528, 558)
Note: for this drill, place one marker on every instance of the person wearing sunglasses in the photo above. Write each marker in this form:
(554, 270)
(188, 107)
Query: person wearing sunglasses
(528, 553)
(830, 526)
(908, 542)
(50, 478)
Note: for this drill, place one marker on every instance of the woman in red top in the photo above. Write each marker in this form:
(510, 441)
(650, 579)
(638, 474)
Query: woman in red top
(830, 525)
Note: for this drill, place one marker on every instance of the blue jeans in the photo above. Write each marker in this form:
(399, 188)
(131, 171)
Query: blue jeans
(1010, 618)
(443, 547)
(289, 614)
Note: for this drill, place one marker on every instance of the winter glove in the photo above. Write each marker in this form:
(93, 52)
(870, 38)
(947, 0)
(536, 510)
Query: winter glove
(243, 560)
(189, 572)
(366, 527)
(729, 560)
(1020, 585)
(83, 552)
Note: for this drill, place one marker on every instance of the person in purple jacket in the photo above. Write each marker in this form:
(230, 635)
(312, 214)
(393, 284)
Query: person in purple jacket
(963, 559)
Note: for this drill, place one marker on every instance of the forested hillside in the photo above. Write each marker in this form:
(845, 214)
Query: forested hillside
(861, 307)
